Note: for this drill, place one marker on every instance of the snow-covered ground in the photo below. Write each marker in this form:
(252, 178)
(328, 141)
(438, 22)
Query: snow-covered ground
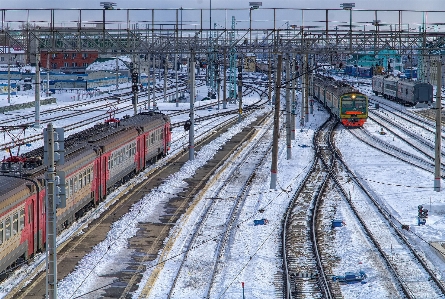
(401, 187)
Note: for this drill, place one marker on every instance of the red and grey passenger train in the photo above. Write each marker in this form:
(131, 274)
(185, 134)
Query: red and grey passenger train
(96, 161)
(345, 102)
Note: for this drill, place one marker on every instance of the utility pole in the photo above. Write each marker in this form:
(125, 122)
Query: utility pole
(55, 197)
(37, 90)
(165, 78)
(274, 167)
(288, 108)
(225, 79)
(270, 80)
(154, 83)
(240, 92)
(117, 73)
(293, 86)
(134, 88)
(149, 80)
(192, 107)
(176, 77)
(438, 142)
(303, 88)
(9, 74)
(306, 88)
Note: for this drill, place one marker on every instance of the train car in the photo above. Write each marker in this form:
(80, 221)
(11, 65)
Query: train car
(96, 161)
(410, 73)
(364, 72)
(390, 87)
(377, 84)
(401, 90)
(413, 92)
(20, 230)
(348, 104)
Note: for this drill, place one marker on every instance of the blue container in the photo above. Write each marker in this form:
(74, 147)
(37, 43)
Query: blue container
(337, 223)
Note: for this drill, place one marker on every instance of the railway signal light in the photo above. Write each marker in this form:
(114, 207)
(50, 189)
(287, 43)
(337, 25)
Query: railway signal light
(60, 190)
(134, 88)
(134, 78)
(425, 213)
(187, 125)
(59, 146)
(419, 211)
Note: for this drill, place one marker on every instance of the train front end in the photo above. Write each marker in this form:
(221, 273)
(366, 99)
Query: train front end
(353, 109)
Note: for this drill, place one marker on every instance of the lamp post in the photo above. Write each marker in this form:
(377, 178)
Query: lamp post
(349, 6)
(253, 5)
(106, 6)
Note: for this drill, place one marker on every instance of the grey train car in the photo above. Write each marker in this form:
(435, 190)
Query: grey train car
(404, 91)
(413, 92)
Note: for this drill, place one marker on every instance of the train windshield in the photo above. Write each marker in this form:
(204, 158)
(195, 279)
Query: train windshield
(354, 102)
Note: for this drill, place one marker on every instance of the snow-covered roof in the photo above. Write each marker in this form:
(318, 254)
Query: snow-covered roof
(109, 64)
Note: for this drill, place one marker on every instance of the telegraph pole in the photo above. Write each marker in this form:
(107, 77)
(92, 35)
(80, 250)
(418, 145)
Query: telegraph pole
(293, 103)
(303, 88)
(192, 107)
(176, 77)
(165, 78)
(240, 92)
(225, 80)
(269, 91)
(117, 73)
(37, 90)
(9, 74)
(154, 83)
(149, 80)
(438, 143)
(288, 108)
(134, 88)
(274, 168)
(51, 223)
(306, 88)
(55, 197)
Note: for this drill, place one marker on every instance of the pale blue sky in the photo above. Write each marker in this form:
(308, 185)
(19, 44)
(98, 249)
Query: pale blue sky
(260, 18)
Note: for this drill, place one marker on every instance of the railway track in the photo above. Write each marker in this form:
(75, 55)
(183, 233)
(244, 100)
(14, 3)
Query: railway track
(85, 121)
(414, 275)
(115, 205)
(91, 231)
(220, 216)
(308, 262)
(305, 276)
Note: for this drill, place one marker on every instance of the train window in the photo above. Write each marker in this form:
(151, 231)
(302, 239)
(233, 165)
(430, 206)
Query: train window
(89, 175)
(152, 138)
(22, 219)
(75, 184)
(71, 187)
(162, 135)
(29, 213)
(15, 224)
(1, 232)
(67, 186)
(7, 228)
(84, 177)
(80, 181)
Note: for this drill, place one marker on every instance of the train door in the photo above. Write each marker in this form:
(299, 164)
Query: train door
(143, 150)
(32, 239)
(103, 176)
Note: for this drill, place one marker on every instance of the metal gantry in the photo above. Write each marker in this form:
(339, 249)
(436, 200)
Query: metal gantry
(113, 31)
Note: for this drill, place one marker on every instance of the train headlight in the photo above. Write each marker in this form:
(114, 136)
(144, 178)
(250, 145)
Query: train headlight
(353, 96)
